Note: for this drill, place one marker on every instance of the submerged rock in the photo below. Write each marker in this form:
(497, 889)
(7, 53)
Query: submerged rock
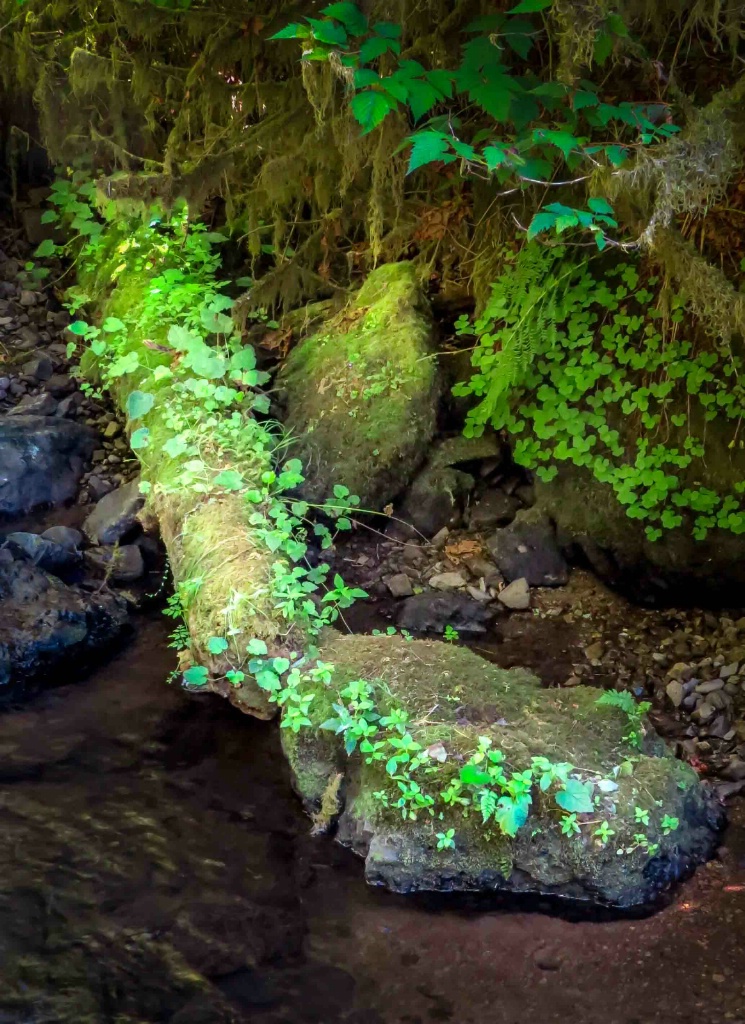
(46, 625)
(361, 393)
(41, 462)
(455, 701)
(527, 549)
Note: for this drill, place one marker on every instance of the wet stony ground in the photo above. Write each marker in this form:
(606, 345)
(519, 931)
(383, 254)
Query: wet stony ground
(156, 867)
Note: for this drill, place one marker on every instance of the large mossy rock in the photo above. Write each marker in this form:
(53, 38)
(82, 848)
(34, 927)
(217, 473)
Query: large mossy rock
(361, 393)
(453, 697)
(677, 568)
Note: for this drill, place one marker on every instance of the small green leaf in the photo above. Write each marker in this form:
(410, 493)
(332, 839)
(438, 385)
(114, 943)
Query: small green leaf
(197, 675)
(140, 439)
(79, 327)
(139, 404)
(112, 324)
(217, 645)
(230, 479)
(256, 647)
(46, 248)
(576, 797)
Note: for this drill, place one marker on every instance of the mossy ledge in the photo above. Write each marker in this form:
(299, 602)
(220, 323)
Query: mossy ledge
(453, 697)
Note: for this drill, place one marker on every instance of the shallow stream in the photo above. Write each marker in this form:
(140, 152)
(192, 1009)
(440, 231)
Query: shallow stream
(157, 867)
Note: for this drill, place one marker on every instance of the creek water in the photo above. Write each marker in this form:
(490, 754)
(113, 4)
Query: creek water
(156, 866)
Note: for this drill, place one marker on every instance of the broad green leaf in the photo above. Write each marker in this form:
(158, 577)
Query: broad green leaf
(46, 248)
(328, 32)
(79, 327)
(292, 32)
(603, 48)
(576, 797)
(139, 404)
(599, 205)
(112, 324)
(387, 29)
(370, 108)
(349, 15)
(616, 154)
(541, 221)
(364, 77)
(256, 647)
(197, 675)
(217, 645)
(140, 439)
(530, 6)
(243, 360)
(584, 99)
(230, 479)
(49, 217)
(563, 141)
(511, 815)
(472, 775)
(373, 48)
(422, 97)
(495, 156)
(427, 147)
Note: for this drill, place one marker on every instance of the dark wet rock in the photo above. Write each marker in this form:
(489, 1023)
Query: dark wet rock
(45, 624)
(35, 405)
(528, 549)
(40, 367)
(435, 499)
(41, 462)
(59, 385)
(69, 406)
(115, 515)
(122, 563)
(493, 509)
(66, 536)
(523, 720)
(50, 556)
(433, 611)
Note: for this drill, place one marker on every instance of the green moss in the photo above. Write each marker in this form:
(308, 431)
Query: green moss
(361, 392)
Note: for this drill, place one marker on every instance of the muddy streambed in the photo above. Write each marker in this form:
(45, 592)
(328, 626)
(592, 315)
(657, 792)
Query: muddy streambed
(156, 867)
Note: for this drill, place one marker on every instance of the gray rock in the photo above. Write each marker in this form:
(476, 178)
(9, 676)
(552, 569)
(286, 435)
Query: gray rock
(40, 367)
(432, 611)
(35, 405)
(516, 595)
(65, 536)
(28, 298)
(46, 625)
(68, 406)
(435, 499)
(675, 692)
(99, 487)
(710, 686)
(41, 462)
(399, 585)
(115, 515)
(528, 549)
(493, 509)
(48, 555)
(59, 385)
(118, 563)
(447, 581)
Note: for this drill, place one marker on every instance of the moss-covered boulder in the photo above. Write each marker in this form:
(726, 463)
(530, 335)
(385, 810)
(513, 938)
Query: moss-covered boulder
(676, 568)
(361, 392)
(656, 811)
